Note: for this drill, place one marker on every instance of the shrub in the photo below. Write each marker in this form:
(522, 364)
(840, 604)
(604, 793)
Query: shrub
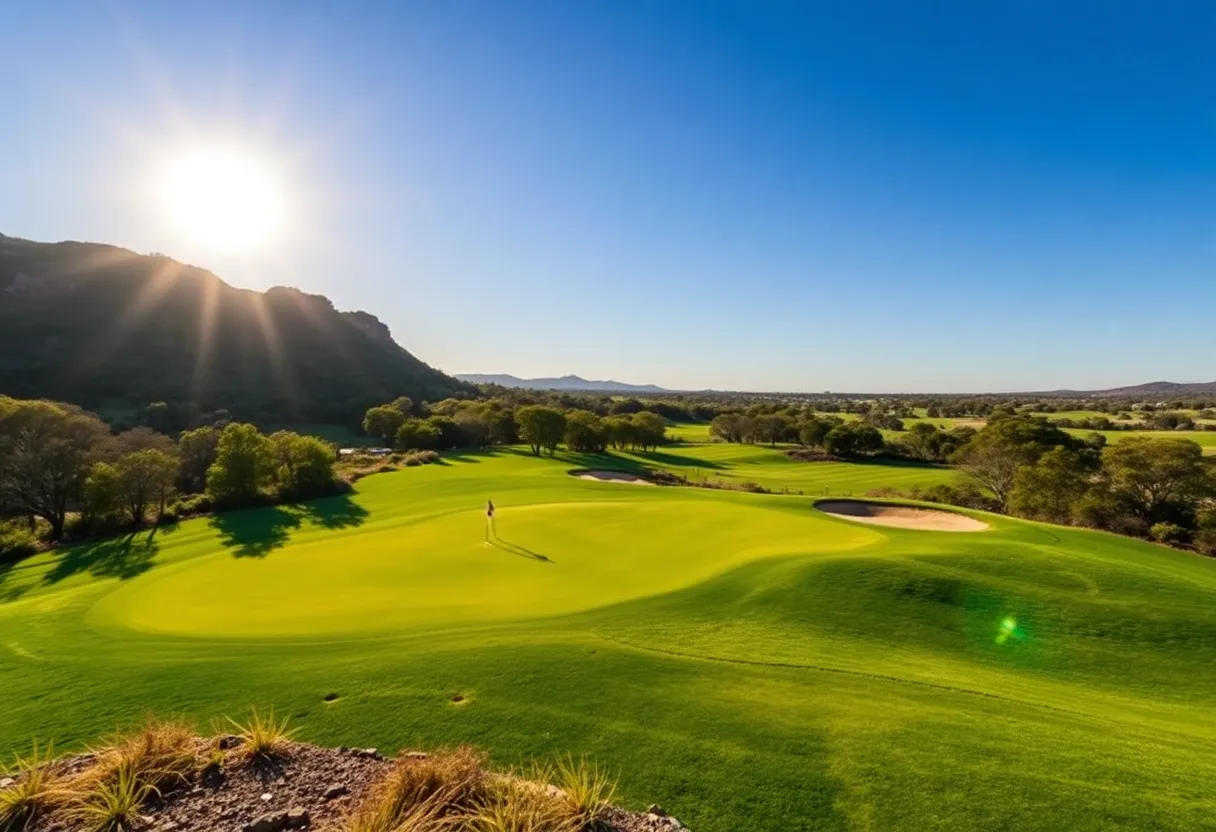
(160, 755)
(1168, 533)
(35, 793)
(189, 506)
(263, 737)
(16, 542)
(516, 805)
(588, 790)
(113, 804)
(423, 793)
(421, 458)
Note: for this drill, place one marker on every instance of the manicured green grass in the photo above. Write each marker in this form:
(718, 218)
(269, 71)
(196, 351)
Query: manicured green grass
(1206, 439)
(741, 659)
(771, 468)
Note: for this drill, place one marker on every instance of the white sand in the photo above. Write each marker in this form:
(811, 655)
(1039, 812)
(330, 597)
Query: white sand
(612, 476)
(903, 517)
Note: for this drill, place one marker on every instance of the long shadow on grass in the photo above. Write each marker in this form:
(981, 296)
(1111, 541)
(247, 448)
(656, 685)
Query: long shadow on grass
(119, 557)
(522, 551)
(340, 512)
(256, 532)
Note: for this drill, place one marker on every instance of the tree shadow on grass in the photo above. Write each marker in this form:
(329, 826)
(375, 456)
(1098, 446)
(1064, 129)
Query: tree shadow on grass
(118, 557)
(522, 551)
(256, 532)
(339, 512)
(679, 460)
(472, 454)
(10, 588)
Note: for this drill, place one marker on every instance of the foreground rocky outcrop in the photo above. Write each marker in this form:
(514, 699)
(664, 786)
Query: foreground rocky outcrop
(164, 779)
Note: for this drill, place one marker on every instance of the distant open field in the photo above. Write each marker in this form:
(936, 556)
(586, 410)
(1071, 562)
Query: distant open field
(771, 468)
(1204, 438)
(745, 660)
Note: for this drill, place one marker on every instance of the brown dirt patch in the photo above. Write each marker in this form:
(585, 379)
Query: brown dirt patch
(901, 517)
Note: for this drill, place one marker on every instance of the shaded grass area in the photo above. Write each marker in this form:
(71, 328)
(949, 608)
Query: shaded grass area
(743, 660)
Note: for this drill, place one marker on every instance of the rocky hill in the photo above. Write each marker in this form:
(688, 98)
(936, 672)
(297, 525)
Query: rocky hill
(102, 326)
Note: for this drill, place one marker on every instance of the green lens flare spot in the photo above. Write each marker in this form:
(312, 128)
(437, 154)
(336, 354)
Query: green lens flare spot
(1009, 625)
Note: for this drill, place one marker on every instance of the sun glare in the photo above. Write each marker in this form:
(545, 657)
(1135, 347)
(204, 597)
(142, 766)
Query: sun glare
(224, 198)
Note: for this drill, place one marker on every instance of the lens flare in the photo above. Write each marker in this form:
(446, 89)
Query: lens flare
(1008, 629)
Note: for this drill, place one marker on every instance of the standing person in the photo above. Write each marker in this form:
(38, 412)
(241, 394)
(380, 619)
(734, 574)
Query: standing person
(490, 531)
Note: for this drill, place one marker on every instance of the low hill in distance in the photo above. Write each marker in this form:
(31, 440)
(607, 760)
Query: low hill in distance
(104, 327)
(571, 383)
(1157, 389)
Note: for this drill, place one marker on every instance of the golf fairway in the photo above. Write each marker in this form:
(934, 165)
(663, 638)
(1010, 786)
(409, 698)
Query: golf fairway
(742, 659)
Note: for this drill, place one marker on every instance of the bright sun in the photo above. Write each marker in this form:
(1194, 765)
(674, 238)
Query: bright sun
(224, 198)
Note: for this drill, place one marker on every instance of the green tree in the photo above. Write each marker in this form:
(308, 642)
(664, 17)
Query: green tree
(503, 430)
(620, 431)
(304, 465)
(650, 429)
(382, 422)
(474, 425)
(449, 432)
(101, 497)
(404, 405)
(417, 435)
(541, 427)
(157, 416)
(771, 428)
(244, 464)
(1052, 487)
(146, 478)
(994, 455)
(143, 438)
(813, 431)
(852, 439)
(585, 432)
(1158, 480)
(197, 450)
(46, 453)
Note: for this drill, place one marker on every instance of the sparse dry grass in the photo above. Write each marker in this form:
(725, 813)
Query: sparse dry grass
(112, 804)
(448, 791)
(432, 792)
(161, 754)
(36, 792)
(263, 736)
(588, 788)
(452, 790)
(513, 804)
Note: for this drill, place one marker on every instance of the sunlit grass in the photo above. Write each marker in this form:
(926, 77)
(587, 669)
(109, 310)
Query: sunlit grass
(739, 659)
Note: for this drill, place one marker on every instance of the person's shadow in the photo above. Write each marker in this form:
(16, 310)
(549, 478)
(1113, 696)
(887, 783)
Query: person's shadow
(522, 551)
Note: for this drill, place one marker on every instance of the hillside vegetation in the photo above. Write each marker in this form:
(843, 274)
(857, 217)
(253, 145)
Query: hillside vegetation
(108, 329)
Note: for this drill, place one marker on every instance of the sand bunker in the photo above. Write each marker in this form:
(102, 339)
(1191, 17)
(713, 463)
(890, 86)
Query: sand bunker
(903, 517)
(611, 476)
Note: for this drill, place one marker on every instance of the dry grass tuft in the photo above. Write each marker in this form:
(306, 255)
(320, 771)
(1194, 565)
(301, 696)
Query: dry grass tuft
(263, 737)
(36, 792)
(516, 805)
(160, 755)
(112, 804)
(432, 792)
(588, 789)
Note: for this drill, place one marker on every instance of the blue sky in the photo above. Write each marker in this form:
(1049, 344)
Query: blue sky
(904, 196)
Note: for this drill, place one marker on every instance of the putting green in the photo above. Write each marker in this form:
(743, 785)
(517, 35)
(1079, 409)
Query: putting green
(545, 559)
(744, 660)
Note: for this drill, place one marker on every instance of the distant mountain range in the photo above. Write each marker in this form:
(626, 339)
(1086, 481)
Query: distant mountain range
(568, 383)
(1151, 390)
(112, 330)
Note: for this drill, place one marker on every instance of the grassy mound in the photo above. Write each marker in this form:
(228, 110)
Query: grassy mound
(741, 658)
